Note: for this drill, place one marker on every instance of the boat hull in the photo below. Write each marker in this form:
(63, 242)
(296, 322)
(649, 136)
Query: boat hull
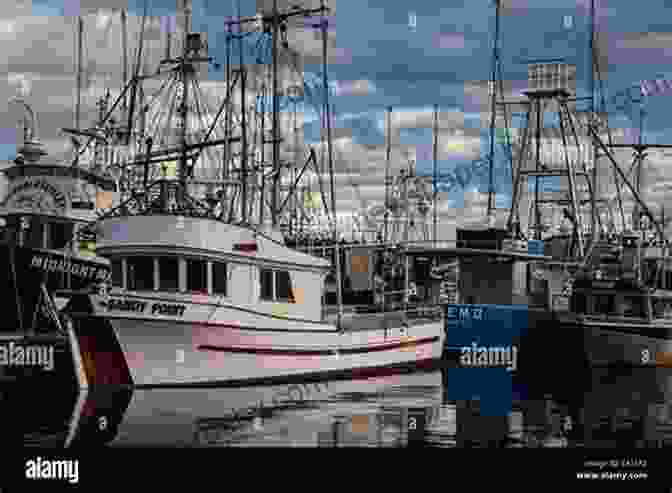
(608, 343)
(164, 352)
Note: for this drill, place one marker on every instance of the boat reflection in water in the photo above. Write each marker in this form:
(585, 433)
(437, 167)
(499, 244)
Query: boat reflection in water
(294, 414)
(630, 407)
(626, 409)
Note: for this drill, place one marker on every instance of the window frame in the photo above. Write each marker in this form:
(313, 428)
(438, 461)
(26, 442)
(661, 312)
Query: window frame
(189, 261)
(159, 286)
(274, 286)
(211, 268)
(122, 265)
(128, 277)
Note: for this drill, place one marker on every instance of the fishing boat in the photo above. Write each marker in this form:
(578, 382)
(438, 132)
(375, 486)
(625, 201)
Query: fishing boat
(45, 203)
(198, 299)
(621, 301)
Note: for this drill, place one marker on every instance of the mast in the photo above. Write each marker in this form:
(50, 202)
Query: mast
(124, 54)
(276, 124)
(168, 27)
(185, 69)
(136, 72)
(80, 33)
(592, 98)
(243, 155)
(387, 173)
(262, 162)
(435, 170)
(227, 118)
(327, 113)
(493, 81)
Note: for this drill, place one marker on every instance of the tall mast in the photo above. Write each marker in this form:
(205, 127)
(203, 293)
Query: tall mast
(80, 32)
(227, 118)
(185, 69)
(168, 27)
(262, 157)
(276, 124)
(387, 174)
(243, 155)
(136, 73)
(124, 53)
(327, 113)
(592, 113)
(493, 81)
(435, 170)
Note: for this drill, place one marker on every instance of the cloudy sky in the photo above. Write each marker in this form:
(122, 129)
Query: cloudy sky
(381, 54)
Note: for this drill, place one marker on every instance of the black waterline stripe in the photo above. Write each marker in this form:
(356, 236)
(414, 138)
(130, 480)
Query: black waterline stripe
(320, 352)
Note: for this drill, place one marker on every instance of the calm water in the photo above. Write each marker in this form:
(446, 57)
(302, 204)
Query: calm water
(598, 408)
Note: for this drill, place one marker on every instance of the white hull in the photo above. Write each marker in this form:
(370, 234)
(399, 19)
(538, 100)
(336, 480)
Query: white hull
(189, 354)
(165, 351)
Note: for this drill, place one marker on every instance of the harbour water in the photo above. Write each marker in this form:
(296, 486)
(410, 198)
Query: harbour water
(597, 408)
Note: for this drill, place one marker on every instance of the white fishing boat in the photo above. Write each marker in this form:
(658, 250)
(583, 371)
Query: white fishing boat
(197, 299)
(200, 301)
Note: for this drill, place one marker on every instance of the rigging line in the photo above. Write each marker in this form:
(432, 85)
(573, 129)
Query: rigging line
(160, 91)
(159, 96)
(163, 129)
(294, 66)
(596, 222)
(603, 106)
(157, 129)
(196, 98)
(506, 146)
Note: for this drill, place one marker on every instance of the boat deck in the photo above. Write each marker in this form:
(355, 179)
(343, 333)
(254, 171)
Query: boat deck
(353, 321)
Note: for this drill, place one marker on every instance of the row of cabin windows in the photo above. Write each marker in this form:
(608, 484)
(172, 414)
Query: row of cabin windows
(141, 274)
(41, 233)
(275, 285)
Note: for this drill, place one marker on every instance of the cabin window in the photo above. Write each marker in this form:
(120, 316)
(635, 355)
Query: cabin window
(219, 278)
(276, 285)
(634, 306)
(59, 235)
(34, 235)
(266, 280)
(197, 276)
(662, 308)
(283, 286)
(603, 304)
(117, 275)
(169, 274)
(140, 273)
(580, 303)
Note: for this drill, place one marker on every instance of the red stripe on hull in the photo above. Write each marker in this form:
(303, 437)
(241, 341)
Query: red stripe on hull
(321, 352)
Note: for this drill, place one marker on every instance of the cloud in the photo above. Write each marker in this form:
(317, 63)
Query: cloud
(362, 87)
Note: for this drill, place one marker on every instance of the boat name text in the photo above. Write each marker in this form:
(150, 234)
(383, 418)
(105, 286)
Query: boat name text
(68, 267)
(168, 309)
(140, 306)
